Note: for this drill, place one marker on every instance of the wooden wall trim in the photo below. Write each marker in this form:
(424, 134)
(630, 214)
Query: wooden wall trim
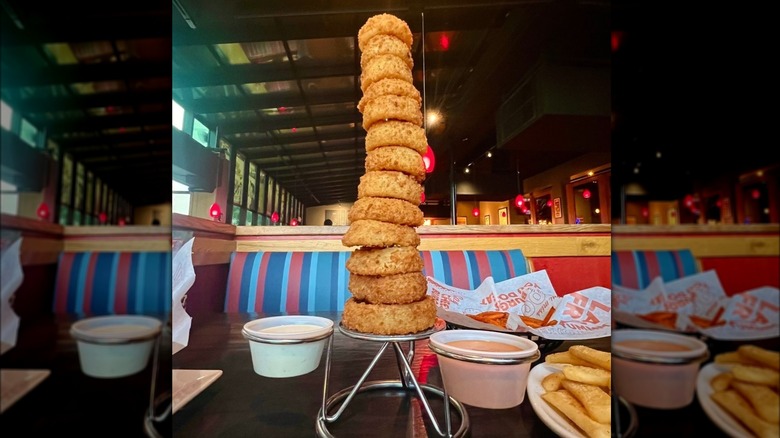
(428, 230)
(704, 246)
(684, 229)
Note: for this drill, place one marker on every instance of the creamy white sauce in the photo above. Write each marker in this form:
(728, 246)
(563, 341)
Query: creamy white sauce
(291, 328)
(119, 329)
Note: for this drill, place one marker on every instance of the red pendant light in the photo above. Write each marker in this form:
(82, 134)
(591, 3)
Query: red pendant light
(43, 211)
(275, 217)
(293, 222)
(102, 217)
(215, 211)
(755, 194)
(475, 212)
(519, 199)
(549, 203)
(121, 222)
(422, 198)
(586, 194)
(429, 159)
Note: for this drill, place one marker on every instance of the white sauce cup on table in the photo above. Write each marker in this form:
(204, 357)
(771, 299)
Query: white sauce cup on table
(115, 345)
(288, 345)
(656, 369)
(482, 368)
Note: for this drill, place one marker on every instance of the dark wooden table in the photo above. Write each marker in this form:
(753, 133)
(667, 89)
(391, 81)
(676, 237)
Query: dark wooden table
(68, 401)
(242, 403)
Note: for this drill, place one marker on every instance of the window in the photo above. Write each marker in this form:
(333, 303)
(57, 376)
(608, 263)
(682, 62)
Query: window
(178, 116)
(9, 198)
(181, 198)
(29, 133)
(200, 132)
(6, 113)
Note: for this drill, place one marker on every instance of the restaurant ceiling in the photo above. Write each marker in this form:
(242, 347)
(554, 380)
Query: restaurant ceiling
(97, 78)
(280, 81)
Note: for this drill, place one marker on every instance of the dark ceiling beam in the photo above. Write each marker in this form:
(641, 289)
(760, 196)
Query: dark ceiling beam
(217, 24)
(341, 170)
(270, 124)
(261, 153)
(203, 76)
(75, 144)
(43, 26)
(97, 100)
(98, 123)
(68, 74)
(346, 178)
(118, 152)
(308, 164)
(262, 101)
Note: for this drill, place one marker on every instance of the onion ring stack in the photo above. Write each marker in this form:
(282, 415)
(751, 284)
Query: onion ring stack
(389, 291)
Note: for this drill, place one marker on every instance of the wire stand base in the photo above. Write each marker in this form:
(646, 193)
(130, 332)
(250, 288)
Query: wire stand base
(407, 381)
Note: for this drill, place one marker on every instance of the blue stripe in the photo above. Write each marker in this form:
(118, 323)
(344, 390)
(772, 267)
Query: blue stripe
(246, 275)
(82, 282)
(151, 283)
(641, 262)
(343, 281)
(310, 298)
(518, 261)
(333, 294)
(688, 262)
(103, 283)
(667, 264)
(498, 268)
(273, 281)
(325, 281)
(285, 282)
(253, 261)
(303, 294)
(475, 277)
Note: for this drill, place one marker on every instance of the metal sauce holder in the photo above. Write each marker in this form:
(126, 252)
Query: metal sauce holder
(644, 358)
(486, 360)
(262, 340)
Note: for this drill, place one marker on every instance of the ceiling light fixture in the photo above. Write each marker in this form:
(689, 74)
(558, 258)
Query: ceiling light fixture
(490, 154)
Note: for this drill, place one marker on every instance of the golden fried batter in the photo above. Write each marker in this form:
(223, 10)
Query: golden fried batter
(384, 24)
(396, 211)
(388, 289)
(390, 107)
(384, 67)
(390, 184)
(389, 319)
(386, 45)
(395, 87)
(377, 234)
(396, 133)
(397, 158)
(385, 261)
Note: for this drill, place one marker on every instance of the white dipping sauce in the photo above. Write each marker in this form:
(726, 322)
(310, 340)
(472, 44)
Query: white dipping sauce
(291, 328)
(119, 329)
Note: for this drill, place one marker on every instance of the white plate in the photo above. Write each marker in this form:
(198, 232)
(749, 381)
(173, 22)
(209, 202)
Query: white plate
(555, 421)
(720, 417)
(189, 383)
(14, 384)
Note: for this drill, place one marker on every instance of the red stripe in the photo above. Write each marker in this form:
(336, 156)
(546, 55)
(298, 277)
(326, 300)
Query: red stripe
(653, 267)
(294, 282)
(628, 273)
(511, 264)
(428, 361)
(427, 263)
(483, 264)
(122, 283)
(460, 276)
(90, 283)
(63, 278)
(261, 273)
(234, 282)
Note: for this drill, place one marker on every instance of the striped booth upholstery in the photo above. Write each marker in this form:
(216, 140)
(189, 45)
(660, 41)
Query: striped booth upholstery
(293, 282)
(636, 269)
(105, 283)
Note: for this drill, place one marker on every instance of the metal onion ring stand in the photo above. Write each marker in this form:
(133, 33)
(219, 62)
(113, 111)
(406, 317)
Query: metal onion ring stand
(406, 381)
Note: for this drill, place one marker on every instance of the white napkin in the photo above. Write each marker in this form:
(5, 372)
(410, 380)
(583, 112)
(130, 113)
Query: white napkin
(183, 278)
(11, 276)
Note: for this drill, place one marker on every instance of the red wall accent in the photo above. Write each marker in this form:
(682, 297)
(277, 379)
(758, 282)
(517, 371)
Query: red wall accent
(571, 274)
(207, 294)
(740, 274)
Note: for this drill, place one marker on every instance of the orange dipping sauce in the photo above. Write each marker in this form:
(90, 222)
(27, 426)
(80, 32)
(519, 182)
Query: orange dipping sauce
(485, 346)
(652, 345)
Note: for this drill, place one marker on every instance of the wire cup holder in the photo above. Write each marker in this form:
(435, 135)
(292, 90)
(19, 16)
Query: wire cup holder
(406, 381)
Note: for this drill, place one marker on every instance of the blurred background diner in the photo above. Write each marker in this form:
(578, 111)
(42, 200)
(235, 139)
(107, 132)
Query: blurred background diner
(86, 158)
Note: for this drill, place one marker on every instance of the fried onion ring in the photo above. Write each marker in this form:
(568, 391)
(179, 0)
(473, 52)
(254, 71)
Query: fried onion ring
(397, 158)
(388, 289)
(389, 86)
(389, 319)
(390, 184)
(396, 133)
(384, 24)
(389, 107)
(377, 234)
(385, 261)
(396, 211)
(386, 45)
(384, 67)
